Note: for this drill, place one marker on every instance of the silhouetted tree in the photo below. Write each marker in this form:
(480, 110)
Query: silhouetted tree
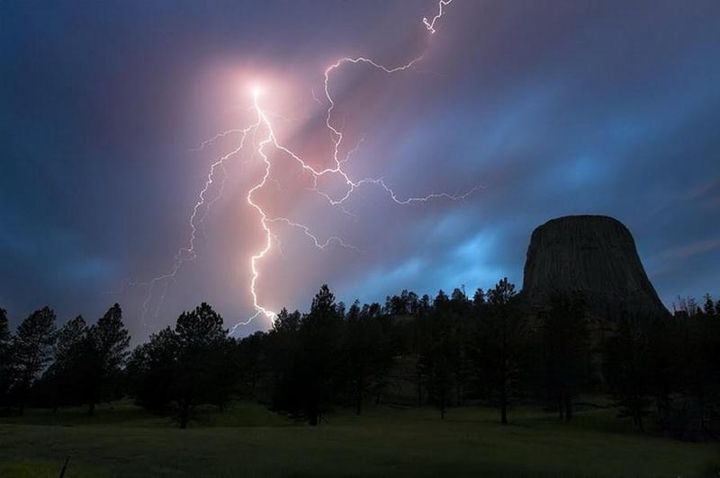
(317, 361)
(384, 345)
(626, 371)
(479, 298)
(203, 345)
(686, 307)
(500, 346)
(66, 378)
(709, 307)
(422, 340)
(436, 364)
(565, 343)
(664, 367)
(461, 315)
(701, 376)
(106, 350)
(282, 346)
(249, 362)
(32, 349)
(187, 366)
(152, 370)
(358, 340)
(307, 376)
(69, 337)
(438, 359)
(404, 304)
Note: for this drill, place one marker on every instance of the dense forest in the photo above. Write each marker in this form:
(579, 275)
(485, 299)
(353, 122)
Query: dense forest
(662, 373)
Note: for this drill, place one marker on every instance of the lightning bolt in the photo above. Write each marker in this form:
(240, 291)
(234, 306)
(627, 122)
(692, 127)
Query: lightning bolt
(263, 126)
(430, 24)
(200, 209)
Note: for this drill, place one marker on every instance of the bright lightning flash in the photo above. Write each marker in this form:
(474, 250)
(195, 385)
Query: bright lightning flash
(264, 139)
(256, 89)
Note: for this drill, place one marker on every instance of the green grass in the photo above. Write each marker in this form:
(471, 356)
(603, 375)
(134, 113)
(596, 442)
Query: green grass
(247, 440)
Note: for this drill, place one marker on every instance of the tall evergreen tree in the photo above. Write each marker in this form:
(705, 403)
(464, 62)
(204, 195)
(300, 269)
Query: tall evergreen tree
(439, 357)
(357, 348)
(250, 361)
(500, 348)
(479, 298)
(709, 306)
(626, 371)
(204, 374)
(106, 350)
(32, 348)
(316, 363)
(67, 375)
(566, 348)
(282, 347)
(153, 369)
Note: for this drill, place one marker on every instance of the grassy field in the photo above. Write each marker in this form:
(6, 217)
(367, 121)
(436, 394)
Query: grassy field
(124, 441)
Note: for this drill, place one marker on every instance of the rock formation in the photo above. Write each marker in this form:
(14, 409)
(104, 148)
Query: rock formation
(594, 255)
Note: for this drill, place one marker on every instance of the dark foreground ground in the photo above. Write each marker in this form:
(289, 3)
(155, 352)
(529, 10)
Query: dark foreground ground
(247, 440)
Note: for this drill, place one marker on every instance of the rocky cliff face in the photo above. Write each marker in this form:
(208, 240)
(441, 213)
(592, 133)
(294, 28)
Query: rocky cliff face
(594, 255)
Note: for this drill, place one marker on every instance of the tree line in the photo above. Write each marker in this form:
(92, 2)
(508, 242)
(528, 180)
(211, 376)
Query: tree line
(662, 373)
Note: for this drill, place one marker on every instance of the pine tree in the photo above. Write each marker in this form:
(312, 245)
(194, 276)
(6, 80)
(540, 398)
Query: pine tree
(501, 344)
(67, 375)
(106, 350)
(566, 350)
(32, 348)
(626, 370)
(709, 307)
(316, 364)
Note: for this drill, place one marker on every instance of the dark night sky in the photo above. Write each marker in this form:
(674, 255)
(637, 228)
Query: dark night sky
(552, 107)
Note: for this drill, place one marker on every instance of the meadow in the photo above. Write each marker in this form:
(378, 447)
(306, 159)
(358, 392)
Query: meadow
(247, 440)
